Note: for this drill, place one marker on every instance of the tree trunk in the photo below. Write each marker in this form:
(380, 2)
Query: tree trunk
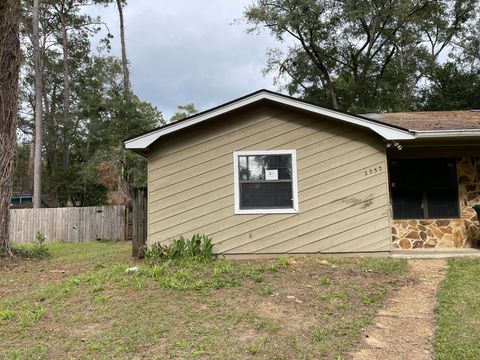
(126, 74)
(9, 72)
(66, 91)
(37, 160)
(126, 83)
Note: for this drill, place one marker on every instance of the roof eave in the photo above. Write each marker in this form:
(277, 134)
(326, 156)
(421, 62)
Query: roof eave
(447, 134)
(388, 132)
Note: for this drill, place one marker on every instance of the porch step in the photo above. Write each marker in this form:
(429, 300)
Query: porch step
(434, 253)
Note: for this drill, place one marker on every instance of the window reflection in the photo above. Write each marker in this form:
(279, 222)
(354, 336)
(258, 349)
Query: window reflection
(259, 191)
(254, 167)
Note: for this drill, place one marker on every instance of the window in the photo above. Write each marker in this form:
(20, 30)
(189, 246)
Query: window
(424, 188)
(265, 182)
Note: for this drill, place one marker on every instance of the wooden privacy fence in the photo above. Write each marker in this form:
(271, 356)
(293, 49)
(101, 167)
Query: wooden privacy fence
(70, 224)
(139, 222)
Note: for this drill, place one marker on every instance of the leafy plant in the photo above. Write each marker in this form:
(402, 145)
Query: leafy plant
(37, 250)
(199, 247)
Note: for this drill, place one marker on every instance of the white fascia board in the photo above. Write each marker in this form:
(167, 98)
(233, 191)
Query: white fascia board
(387, 132)
(384, 130)
(447, 133)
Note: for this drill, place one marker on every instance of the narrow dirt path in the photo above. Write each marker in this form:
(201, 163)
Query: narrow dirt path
(405, 327)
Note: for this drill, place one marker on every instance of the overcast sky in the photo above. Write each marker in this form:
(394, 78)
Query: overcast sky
(187, 51)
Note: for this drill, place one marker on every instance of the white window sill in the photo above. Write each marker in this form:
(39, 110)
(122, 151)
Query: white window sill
(266, 211)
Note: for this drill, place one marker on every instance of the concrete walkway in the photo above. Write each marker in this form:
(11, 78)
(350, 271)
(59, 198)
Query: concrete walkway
(435, 253)
(405, 327)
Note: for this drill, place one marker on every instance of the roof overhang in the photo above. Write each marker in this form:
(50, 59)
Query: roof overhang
(386, 131)
(447, 134)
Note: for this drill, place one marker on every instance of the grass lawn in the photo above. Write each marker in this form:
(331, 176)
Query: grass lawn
(458, 334)
(80, 304)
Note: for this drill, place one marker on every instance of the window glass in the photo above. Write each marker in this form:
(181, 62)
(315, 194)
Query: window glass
(270, 195)
(424, 188)
(265, 181)
(243, 168)
(255, 167)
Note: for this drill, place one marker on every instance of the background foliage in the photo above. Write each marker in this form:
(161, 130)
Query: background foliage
(373, 55)
(83, 158)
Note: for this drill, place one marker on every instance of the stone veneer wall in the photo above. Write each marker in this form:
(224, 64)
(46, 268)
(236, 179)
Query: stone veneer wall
(446, 233)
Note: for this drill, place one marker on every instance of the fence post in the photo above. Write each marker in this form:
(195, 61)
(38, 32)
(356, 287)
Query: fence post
(139, 234)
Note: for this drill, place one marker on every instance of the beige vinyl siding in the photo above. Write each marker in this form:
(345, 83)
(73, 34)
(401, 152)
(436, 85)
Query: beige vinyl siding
(340, 208)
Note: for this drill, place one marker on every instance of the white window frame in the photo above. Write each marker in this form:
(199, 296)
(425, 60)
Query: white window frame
(236, 182)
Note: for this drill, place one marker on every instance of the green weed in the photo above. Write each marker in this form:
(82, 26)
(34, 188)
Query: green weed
(324, 281)
(6, 314)
(284, 261)
(37, 250)
(199, 247)
(32, 316)
(320, 335)
(267, 290)
(385, 266)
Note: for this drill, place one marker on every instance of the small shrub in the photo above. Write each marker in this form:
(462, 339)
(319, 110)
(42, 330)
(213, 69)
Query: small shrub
(199, 247)
(37, 250)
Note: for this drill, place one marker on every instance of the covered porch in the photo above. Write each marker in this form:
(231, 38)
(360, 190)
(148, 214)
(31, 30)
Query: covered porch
(433, 187)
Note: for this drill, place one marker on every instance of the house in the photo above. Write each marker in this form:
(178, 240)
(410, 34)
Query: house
(269, 174)
(24, 201)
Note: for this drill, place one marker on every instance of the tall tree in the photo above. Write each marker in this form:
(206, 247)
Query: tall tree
(37, 53)
(126, 74)
(452, 88)
(183, 112)
(360, 55)
(63, 9)
(9, 74)
(99, 115)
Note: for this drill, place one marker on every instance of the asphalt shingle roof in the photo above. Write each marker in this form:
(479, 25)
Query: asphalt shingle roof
(431, 120)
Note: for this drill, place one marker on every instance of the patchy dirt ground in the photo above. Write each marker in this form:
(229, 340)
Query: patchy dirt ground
(19, 275)
(405, 327)
(278, 309)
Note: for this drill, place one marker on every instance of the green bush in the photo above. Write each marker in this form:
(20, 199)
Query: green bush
(199, 247)
(37, 250)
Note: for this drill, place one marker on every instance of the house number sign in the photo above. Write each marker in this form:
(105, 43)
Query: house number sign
(373, 170)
